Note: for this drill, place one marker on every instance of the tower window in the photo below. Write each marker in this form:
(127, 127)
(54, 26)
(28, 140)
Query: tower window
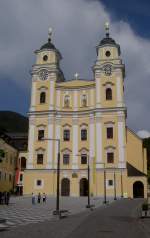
(110, 157)
(108, 53)
(42, 97)
(108, 94)
(83, 134)
(109, 132)
(45, 57)
(83, 159)
(66, 135)
(110, 182)
(66, 158)
(40, 134)
(67, 101)
(39, 158)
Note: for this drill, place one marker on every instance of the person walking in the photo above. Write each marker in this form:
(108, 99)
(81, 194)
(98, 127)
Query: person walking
(44, 198)
(33, 198)
(39, 198)
(7, 198)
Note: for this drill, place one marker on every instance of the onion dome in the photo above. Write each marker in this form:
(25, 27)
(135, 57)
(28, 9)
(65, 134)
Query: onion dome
(48, 45)
(108, 40)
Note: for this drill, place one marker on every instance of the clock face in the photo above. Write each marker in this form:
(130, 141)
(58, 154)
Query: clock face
(43, 74)
(107, 69)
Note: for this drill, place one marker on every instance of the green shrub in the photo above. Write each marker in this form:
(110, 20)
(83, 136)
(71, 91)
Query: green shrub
(144, 206)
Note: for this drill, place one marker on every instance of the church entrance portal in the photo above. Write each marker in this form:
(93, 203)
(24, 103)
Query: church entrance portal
(138, 190)
(83, 187)
(65, 187)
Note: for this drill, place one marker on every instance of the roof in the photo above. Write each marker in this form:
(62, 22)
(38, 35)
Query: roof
(17, 140)
(48, 45)
(109, 41)
(134, 172)
(76, 83)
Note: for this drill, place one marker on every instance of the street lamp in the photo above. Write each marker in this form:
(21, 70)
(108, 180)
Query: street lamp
(105, 196)
(115, 198)
(57, 211)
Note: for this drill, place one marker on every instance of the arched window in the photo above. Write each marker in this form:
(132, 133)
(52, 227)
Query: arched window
(84, 100)
(108, 94)
(66, 101)
(42, 97)
(83, 134)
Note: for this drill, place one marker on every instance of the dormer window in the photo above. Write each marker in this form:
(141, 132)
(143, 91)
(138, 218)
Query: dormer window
(66, 101)
(45, 58)
(108, 54)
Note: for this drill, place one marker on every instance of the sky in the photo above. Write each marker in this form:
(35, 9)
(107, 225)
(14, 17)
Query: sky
(78, 27)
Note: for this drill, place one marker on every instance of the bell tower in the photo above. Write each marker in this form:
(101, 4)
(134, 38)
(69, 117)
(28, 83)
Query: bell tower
(109, 72)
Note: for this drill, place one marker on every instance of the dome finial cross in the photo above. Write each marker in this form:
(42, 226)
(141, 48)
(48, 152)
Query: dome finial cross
(50, 30)
(76, 75)
(107, 28)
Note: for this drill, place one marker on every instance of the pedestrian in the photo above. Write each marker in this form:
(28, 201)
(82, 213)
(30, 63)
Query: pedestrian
(0, 197)
(33, 198)
(39, 198)
(7, 198)
(44, 198)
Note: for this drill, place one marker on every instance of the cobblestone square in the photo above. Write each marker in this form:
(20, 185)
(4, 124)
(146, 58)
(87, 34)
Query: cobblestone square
(20, 211)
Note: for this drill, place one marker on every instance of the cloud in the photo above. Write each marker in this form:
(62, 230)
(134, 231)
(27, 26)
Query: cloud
(78, 28)
(143, 134)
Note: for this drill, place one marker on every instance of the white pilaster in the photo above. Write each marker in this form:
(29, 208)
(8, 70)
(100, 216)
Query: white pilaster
(119, 98)
(33, 93)
(98, 88)
(75, 144)
(57, 136)
(58, 99)
(99, 159)
(91, 146)
(52, 92)
(75, 100)
(91, 137)
(50, 142)
(121, 141)
(31, 142)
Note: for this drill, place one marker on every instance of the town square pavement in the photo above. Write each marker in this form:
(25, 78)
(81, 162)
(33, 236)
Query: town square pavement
(114, 220)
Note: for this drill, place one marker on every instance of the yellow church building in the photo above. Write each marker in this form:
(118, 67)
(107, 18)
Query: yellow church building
(88, 118)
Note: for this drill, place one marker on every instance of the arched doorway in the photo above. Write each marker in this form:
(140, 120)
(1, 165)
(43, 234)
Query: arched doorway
(83, 187)
(65, 187)
(138, 190)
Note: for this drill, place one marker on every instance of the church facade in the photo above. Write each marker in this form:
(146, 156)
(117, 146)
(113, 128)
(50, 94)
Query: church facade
(86, 121)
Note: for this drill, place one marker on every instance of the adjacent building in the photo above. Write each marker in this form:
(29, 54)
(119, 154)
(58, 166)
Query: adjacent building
(88, 118)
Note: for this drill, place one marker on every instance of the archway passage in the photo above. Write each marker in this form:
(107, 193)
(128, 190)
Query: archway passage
(65, 187)
(138, 190)
(83, 187)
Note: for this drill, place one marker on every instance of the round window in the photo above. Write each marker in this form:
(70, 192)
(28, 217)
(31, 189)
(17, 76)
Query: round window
(45, 57)
(107, 53)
